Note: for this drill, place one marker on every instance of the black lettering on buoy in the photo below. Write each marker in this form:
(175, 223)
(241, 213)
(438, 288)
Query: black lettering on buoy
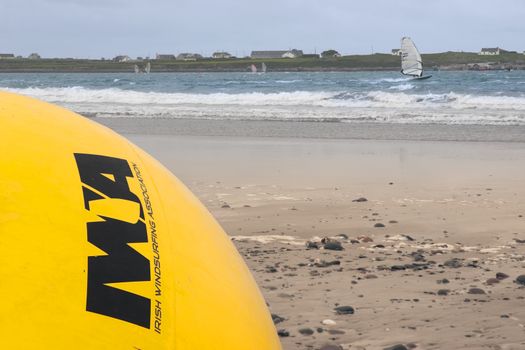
(106, 177)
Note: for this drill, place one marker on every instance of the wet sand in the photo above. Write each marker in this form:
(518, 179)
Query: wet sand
(426, 249)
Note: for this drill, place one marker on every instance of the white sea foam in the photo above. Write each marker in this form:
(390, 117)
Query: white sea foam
(373, 106)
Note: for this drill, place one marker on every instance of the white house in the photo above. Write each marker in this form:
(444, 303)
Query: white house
(122, 58)
(490, 51)
(396, 52)
(6, 55)
(277, 54)
(34, 56)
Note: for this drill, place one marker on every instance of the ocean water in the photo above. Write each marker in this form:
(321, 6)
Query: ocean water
(448, 98)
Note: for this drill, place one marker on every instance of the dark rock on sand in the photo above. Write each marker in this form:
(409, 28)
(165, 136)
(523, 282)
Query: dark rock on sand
(277, 319)
(344, 310)
(453, 263)
(521, 280)
(331, 347)
(333, 245)
(283, 333)
(501, 276)
(306, 331)
(443, 292)
(476, 291)
(379, 225)
(492, 281)
(324, 263)
(360, 199)
(225, 205)
(396, 347)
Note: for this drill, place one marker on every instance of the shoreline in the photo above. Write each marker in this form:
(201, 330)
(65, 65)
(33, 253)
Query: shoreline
(314, 130)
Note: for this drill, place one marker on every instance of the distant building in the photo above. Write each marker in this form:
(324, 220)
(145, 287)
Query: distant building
(490, 51)
(34, 56)
(7, 56)
(396, 52)
(293, 53)
(189, 56)
(277, 54)
(221, 55)
(122, 58)
(164, 56)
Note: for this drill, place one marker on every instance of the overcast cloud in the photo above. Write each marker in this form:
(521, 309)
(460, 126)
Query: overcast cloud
(105, 28)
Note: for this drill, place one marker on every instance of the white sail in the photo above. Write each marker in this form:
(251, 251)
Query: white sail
(263, 67)
(136, 69)
(253, 68)
(148, 68)
(411, 63)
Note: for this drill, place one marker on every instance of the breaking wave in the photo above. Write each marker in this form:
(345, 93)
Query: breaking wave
(397, 105)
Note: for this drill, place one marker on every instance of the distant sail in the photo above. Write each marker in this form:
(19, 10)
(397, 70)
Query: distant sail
(263, 67)
(136, 69)
(148, 68)
(253, 68)
(411, 63)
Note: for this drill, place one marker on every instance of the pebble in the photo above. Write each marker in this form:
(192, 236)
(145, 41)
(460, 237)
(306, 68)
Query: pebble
(360, 199)
(453, 263)
(396, 347)
(331, 347)
(379, 225)
(333, 245)
(344, 310)
(492, 281)
(501, 276)
(225, 205)
(521, 280)
(283, 333)
(329, 322)
(306, 331)
(443, 291)
(277, 319)
(476, 291)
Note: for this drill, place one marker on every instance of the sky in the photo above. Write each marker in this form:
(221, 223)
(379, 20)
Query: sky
(105, 28)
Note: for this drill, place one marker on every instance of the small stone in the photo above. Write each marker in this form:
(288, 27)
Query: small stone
(501, 276)
(476, 291)
(492, 281)
(283, 333)
(331, 347)
(360, 199)
(453, 263)
(521, 280)
(443, 281)
(396, 347)
(333, 245)
(225, 205)
(379, 225)
(277, 319)
(344, 310)
(306, 331)
(328, 322)
(335, 332)
(370, 276)
(443, 292)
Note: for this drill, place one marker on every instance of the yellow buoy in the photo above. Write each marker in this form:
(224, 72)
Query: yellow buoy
(101, 247)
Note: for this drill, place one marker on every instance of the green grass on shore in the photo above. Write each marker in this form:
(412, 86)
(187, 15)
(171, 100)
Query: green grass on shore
(446, 60)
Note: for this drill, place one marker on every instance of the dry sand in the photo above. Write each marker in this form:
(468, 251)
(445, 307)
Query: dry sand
(453, 216)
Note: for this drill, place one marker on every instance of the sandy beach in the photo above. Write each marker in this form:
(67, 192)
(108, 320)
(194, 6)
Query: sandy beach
(429, 235)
